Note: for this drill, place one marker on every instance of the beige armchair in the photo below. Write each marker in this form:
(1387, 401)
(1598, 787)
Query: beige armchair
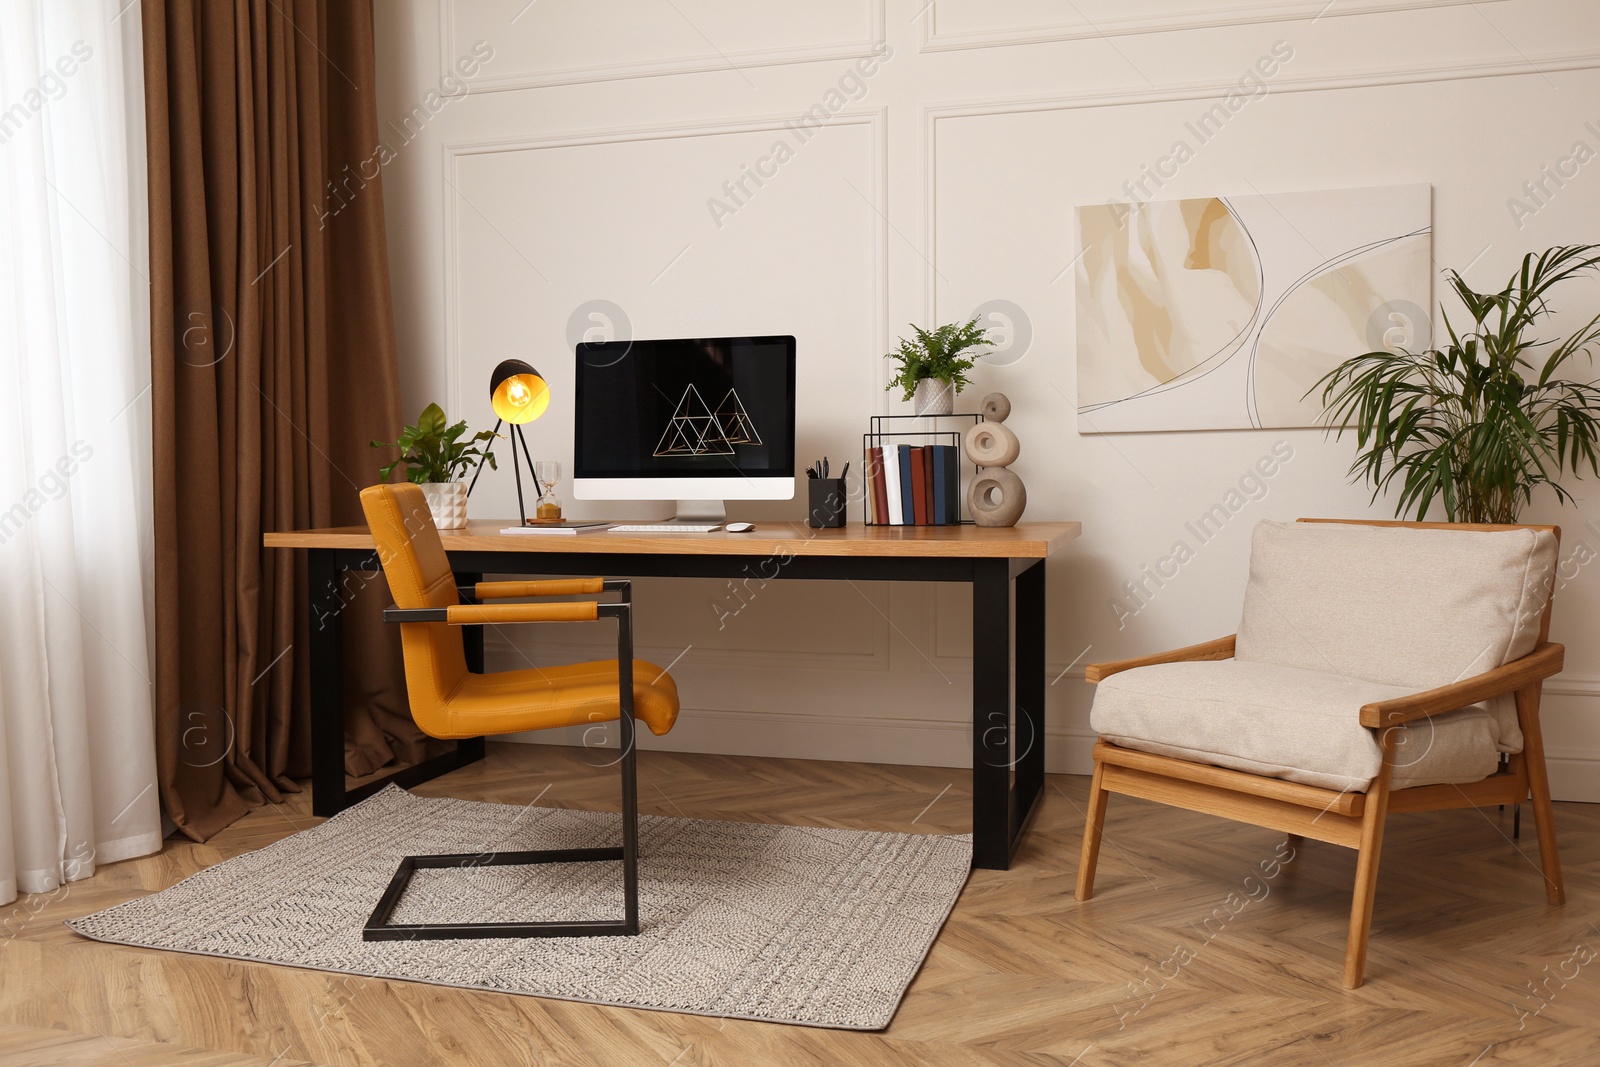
(1379, 667)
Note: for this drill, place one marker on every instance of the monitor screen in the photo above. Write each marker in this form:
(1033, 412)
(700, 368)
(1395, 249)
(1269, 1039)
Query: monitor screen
(704, 408)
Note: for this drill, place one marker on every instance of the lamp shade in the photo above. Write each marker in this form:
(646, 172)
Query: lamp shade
(517, 392)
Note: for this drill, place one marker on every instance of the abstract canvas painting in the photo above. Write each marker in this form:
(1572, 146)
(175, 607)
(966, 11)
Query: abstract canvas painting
(1219, 313)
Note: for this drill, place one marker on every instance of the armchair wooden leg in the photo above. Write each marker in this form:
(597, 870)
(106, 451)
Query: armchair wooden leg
(1539, 789)
(1367, 855)
(1093, 828)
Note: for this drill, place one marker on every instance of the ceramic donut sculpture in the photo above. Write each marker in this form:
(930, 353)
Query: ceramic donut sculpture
(996, 496)
(989, 444)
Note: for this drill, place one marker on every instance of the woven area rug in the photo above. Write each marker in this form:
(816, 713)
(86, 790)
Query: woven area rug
(779, 923)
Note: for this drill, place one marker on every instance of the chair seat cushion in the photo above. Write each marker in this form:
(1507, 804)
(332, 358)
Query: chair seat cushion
(1285, 722)
(575, 694)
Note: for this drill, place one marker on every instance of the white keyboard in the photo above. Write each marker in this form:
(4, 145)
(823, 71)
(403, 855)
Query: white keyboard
(674, 527)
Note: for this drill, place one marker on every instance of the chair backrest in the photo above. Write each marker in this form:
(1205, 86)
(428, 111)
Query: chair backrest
(419, 576)
(1398, 603)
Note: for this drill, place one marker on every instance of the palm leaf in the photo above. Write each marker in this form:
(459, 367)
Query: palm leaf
(1462, 425)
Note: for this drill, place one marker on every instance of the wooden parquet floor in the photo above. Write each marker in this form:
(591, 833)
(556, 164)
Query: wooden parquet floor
(1195, 950)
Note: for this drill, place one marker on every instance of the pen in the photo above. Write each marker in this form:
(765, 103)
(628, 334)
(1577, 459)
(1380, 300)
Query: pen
(824, 466)
(844, 472)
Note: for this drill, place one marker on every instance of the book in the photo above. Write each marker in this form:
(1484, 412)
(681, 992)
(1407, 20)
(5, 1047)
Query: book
(566, 526)
(866, 483)
(891, 483)
(874, 475)
(919, 486)
(946, 485)
(908, 513)
(927, 477)
(952, 483)
(880, 495)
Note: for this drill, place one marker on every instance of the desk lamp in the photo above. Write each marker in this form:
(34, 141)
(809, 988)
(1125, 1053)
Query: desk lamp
(518, 394)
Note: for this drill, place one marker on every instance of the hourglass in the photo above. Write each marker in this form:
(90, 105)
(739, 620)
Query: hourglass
(548, 508)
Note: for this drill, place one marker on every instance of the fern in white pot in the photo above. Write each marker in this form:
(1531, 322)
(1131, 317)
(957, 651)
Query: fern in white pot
(434, 456)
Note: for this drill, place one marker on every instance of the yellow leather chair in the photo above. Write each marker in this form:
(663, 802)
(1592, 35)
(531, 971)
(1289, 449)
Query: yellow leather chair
(447, 700)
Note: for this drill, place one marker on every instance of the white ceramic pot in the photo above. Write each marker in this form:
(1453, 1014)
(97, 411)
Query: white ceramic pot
(933, 397)
(448, 503)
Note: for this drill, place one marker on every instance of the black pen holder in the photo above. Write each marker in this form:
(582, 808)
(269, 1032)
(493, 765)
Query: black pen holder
(827, 503)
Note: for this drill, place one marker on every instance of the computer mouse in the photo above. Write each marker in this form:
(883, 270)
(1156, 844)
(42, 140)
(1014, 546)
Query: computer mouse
(739, 527)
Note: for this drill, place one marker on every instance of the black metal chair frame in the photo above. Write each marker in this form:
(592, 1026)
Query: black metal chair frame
(379, 928)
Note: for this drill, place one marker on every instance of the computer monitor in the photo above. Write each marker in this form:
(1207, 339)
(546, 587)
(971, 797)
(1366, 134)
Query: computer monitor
(698, 421)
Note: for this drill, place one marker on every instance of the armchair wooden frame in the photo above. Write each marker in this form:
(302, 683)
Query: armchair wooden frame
(378, 927)
(1354, 820)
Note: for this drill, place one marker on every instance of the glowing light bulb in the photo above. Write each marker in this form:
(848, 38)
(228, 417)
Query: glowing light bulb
(517, 393)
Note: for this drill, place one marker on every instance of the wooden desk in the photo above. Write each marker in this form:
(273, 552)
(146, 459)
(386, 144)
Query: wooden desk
(1005, 567)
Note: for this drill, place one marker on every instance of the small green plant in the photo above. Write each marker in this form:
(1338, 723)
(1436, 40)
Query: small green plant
(1483, 421)
(937, 354)
(431, 451)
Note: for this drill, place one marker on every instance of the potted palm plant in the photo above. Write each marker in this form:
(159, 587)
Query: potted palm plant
(933, 368)
(1485, 420)
(434, 456)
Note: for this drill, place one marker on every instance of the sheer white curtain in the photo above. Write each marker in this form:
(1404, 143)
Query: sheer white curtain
(77, 753)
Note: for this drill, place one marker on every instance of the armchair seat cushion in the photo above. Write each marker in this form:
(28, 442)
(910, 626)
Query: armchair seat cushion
(1287, 722)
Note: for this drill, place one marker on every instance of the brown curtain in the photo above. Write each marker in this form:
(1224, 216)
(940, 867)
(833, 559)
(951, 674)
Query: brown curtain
(273, 365)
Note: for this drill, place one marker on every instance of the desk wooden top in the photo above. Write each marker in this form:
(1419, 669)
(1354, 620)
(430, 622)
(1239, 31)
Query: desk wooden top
(1028, 540)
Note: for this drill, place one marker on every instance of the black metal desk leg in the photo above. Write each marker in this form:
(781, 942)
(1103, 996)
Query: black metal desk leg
(991, 714)
(327, 690)
(1030, 695)
(471, 749)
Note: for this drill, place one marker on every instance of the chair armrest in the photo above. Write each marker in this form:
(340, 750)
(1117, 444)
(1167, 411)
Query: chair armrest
(485, 614)
(1537, 665)
(576, 611)
(542, 587)
(1221, 648)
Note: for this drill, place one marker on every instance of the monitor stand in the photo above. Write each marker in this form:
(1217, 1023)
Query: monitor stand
(700, 513)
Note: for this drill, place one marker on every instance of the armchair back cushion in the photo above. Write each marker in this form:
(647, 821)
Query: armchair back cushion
(1396, 606)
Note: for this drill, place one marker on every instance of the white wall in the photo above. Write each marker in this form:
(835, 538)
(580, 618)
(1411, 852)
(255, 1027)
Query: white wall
(581, 165)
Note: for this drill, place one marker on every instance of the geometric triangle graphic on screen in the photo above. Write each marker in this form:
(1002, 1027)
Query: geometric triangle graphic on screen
(735, 423)
(693, 430)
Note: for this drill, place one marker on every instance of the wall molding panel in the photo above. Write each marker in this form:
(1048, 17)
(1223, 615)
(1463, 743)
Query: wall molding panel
(875, 119)
(933, 114)
(1128, 25)
(797, 658)
(875, 657)
(869, 44)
